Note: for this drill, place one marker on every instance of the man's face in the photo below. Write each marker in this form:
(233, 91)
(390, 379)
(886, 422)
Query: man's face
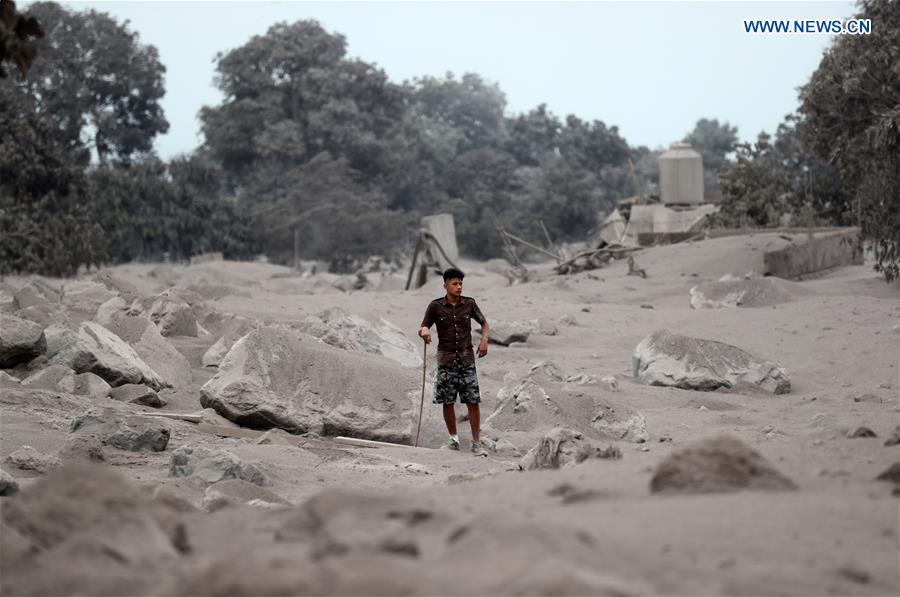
(453, 287)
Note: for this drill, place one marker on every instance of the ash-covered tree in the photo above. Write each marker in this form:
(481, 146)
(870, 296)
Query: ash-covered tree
(97, 83)
(45, 222)
(756, 190)
(852, 109)
(820, 196)
(301, 122)
(17, 35)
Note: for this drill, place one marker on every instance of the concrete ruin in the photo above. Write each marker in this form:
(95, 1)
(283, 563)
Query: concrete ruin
(436, 249)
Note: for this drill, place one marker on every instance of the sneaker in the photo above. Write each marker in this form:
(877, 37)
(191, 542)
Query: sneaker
(478, 449)
(453, 444)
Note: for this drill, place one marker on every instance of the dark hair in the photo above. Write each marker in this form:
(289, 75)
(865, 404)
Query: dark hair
(453, 274)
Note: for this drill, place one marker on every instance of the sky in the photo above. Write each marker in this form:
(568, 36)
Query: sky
(650, 68)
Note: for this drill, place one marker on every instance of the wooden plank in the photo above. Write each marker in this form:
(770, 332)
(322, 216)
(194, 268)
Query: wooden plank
(367, 443)
(179, 416)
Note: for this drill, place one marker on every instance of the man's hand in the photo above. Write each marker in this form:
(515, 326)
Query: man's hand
(425, 334)
(482, 348)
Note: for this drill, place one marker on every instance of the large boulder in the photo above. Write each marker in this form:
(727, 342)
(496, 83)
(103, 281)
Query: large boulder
(27, 458)
(56, 378)
(232, 331)
(114, 428)
(719, 464)
(177, 311)
(82, 298)
(212, 465)
(351, 332)
(137, 394)
(118, 286)
(95, 349)
(20, 341)
(272, 378)
(43, 315)
(155, 350)
(667, 359)
(173, 316)
(749, 293)
(36, 292)
(507, 332)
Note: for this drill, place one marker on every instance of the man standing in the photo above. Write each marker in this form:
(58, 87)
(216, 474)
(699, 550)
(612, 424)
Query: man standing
(456, 361)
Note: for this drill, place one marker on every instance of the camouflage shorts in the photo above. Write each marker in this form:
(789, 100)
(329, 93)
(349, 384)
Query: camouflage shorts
(456, 379)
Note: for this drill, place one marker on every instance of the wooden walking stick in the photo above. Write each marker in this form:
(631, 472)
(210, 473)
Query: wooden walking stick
(422, 401)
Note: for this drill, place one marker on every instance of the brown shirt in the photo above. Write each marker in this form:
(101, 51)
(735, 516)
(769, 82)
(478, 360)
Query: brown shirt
(454, 328)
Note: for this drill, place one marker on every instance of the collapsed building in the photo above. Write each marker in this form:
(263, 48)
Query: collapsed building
(679, 212)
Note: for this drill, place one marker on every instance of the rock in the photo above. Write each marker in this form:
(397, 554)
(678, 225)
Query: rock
(855, 574)
(211, 417)
(123, 288)
(91, 385)
(861, 432)
(20, 341)
(36, 294)
(620, 422)
(752, 292)
(894, 439)
(667, 359)
(56, 378)
(43, 315)
(137, 394)
(868, 398)
(8, 484)
(7, 380)
(110, 311)
(82, 298)
(27, 458)
(522, 397)
(156, 351)
(95, 349)
(714, 465)
(563, 447)
(82, 447)
(505, 332)
(234, 331)
(173, 315)
(212, 465)
(351, 332)
(126, 432)
(236, 492)
(350, 393)
(611, 382)
(504, 447)
(892, 474)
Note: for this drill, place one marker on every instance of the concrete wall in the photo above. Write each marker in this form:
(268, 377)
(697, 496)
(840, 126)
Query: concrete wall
(818, 254)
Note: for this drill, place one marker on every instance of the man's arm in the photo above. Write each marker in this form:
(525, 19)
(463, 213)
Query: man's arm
(427, 321)
(478, 316)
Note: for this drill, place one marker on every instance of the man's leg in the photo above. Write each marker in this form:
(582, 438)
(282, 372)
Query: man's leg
(474, 421)
(450, 418)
